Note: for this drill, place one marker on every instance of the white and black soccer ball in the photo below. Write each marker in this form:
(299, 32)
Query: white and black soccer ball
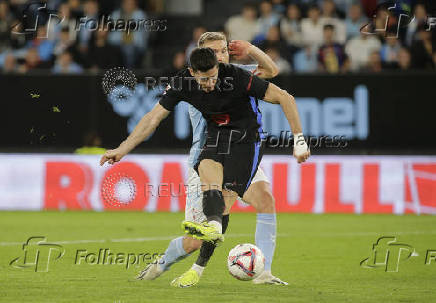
(245, 262)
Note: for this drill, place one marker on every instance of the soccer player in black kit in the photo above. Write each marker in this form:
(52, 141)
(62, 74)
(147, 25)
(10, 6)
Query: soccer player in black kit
(227, 97)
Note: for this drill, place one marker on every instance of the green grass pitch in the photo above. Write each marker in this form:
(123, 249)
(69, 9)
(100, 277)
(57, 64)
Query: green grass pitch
(319, 255)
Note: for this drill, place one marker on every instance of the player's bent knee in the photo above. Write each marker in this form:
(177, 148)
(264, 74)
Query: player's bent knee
(265, 202)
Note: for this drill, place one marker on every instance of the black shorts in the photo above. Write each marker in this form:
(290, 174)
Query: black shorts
(240, 162)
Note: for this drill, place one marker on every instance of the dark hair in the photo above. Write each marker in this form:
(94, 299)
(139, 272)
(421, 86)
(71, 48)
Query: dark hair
(313, 6)
(250, 5)
(329, 26)
(203, 59)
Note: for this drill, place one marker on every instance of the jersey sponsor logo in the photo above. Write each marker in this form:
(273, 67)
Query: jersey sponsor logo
(221, 119)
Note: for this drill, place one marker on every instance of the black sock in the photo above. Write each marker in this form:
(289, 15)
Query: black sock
(207, 248)
(225, 223)
(213, 205)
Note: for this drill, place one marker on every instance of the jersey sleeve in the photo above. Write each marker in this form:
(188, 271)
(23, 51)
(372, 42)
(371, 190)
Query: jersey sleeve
(170, 98)
(250, 84)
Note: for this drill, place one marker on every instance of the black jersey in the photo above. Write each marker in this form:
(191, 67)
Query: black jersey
(230, 109)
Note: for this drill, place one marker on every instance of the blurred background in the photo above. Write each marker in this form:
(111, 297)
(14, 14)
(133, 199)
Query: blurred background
(363, 74)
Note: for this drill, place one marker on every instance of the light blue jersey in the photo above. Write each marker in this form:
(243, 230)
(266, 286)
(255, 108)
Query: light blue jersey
(199, 125)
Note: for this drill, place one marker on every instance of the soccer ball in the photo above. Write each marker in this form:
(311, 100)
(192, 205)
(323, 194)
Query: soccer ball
(245, 262)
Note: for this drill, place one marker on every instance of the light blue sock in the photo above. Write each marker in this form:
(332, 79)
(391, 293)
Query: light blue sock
(174, 253)
(266, 228)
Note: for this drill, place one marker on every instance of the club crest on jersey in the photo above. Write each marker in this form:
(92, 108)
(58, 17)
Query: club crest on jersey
(221, 119)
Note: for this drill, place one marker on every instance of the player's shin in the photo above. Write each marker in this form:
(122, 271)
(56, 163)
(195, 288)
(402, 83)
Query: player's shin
(174, 253)
(213, 207)
(207, 249)
(266, 228)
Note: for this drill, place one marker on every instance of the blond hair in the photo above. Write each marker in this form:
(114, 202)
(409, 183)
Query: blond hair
(211, 36)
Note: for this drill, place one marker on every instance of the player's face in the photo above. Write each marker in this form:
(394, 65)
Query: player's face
(220, 49)
(206, 80)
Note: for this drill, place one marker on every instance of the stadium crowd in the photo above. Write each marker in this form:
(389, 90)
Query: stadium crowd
(334, 36)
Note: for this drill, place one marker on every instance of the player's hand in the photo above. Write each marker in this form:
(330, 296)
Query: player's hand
(301, 150)
(239, 49)
(112, 156)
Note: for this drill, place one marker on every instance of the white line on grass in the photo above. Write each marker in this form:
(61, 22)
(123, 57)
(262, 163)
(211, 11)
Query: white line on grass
(144, 239)
(296, 234)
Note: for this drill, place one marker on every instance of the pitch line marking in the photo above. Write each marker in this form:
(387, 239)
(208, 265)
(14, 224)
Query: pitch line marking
(296, 234)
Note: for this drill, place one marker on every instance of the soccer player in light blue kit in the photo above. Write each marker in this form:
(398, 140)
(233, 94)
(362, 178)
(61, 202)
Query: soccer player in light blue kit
(258, 194)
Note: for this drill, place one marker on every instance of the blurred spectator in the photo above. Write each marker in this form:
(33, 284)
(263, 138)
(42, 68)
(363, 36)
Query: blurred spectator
(343, 6)
(328, 9)
(75, 8)
(420, 14)
(389, 51)
(312, 27)
(64, 42)
(330, 16)
(422, 49)
(90, 20)
(178, 63)
(283, 65)
(68, 22)
(10, 64)
(290, 25)
(44, 43)
(279, 6)
(101, 54)
(267, 18)
(354, 21)
(359, 49)
(17, 41)
(383, 21)
(274, 40)
(66, 65)
(404, 59)
(331, 55)
(133, 44)
(305, 60)
(243, 26)
(196, 33)
(6, 21)
(374, 64)
(32, 61)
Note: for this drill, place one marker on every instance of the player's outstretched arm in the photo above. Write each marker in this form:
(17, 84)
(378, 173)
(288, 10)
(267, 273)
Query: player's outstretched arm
(143, 129)
(276, 95)
(266, 67)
